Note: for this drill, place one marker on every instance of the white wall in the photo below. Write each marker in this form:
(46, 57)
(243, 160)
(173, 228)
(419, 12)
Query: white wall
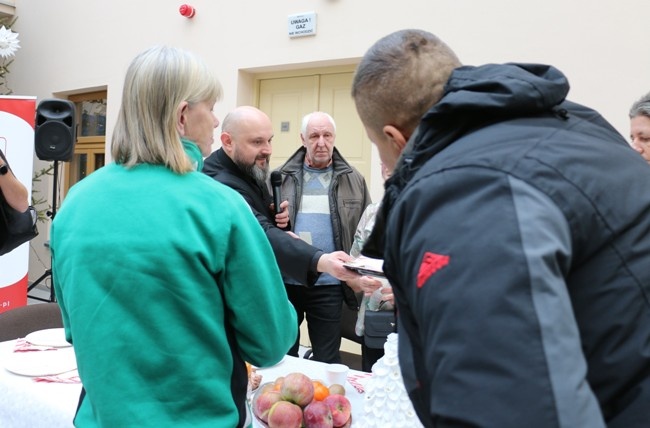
(70, 45)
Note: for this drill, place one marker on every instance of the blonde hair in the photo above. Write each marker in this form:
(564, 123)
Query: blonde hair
(156, 83)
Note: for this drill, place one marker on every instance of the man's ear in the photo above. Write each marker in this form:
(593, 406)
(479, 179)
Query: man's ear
(395, 137)
(181, 119)
(226, 142)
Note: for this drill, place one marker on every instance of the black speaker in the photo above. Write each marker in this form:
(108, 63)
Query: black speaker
(55, 134)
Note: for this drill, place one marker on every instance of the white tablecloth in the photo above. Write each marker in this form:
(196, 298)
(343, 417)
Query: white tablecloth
(28, 404)
(25, 403)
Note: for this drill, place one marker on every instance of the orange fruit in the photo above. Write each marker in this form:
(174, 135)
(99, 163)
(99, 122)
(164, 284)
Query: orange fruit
(320, 390)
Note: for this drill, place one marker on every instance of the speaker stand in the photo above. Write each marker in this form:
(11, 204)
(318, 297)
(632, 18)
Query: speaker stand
(48, 272)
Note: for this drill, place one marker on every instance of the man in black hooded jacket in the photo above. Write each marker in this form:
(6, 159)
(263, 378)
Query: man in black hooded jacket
(516, 234)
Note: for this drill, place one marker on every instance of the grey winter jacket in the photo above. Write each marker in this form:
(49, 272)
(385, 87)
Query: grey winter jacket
(348, 199)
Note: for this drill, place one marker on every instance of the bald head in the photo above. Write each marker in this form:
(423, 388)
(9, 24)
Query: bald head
(246, 135)
(400, 77)
(242, 118)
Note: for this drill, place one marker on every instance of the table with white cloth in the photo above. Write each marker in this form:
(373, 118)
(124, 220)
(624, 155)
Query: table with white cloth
(27, 403)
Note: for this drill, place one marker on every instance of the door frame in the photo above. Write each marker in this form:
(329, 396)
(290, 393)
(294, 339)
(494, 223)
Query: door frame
(250, 89)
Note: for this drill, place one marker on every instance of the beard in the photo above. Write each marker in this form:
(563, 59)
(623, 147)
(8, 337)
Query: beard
(259, 175)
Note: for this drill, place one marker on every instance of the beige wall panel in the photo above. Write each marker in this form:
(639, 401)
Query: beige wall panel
(72, 46)
(351, 138)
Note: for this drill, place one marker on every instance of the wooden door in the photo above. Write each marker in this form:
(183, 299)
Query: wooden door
(286, 101)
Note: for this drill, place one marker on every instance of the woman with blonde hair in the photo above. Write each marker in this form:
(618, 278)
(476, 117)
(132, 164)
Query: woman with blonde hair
(151, 265)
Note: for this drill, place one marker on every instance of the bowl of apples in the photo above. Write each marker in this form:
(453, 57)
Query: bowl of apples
(295, 401)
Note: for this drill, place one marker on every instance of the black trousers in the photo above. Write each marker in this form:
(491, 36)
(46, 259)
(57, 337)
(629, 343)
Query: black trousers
(369, 357)
(321, 306)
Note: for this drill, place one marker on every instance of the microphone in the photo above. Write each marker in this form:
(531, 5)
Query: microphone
(276, 182)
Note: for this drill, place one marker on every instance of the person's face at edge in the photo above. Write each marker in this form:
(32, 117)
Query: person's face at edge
(640, 135)
(319, 141)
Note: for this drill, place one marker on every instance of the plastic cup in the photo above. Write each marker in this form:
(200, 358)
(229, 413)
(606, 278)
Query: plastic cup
(337, 373)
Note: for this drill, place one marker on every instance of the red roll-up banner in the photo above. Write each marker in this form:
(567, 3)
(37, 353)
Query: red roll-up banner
(17, 115)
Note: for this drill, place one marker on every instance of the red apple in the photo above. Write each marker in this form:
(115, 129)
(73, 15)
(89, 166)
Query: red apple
(340, 407)
(264, 400)
(317, 414)
(298, 389)
(285, 415)
(348, 424)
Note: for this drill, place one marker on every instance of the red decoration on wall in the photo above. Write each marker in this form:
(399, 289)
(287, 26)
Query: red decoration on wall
(187, 11)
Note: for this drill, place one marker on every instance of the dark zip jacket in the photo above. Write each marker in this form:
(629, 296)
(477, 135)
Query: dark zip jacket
(517, 240)
(296, 259)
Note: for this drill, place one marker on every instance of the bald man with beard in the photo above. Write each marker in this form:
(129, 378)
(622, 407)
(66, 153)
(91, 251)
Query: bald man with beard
(242, 163)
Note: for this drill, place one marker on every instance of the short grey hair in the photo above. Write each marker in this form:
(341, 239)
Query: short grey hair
(641, 107)
(307, 118)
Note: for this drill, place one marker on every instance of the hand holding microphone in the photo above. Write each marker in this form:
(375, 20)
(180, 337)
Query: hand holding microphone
(281, 213)
(276, 183)
(282, 219)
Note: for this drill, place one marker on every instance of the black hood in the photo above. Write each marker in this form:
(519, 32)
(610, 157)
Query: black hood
(474, 97)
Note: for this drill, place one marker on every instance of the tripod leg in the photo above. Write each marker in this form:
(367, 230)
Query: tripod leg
(48, 273)
(51, 214)
(52, 295)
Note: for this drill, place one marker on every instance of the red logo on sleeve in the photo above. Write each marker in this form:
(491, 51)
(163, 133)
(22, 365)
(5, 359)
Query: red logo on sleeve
(431, 263)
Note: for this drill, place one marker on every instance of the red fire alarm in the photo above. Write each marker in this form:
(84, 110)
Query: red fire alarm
(187, 11)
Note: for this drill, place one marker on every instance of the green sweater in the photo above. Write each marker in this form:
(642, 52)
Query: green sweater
(148, 266)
